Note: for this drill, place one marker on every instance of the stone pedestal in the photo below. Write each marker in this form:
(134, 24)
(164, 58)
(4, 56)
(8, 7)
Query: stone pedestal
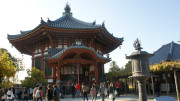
(142, 90)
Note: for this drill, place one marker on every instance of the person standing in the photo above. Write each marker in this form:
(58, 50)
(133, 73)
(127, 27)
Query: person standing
(37, 95)
(49, 93)
(97, 88)
(34, 92)
(30, 93)
(118, 88)
(41, 94)
(10, 95)
(1, 93)
(56, 93)
(25, 93)
(78, 87)
(93, 93)
(73, 90)
(63, 90)
(84, 90)
(157, 87)
(3, 98)
(102, 90)
(112, 92)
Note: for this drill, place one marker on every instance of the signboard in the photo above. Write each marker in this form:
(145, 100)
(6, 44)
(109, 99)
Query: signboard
(163, 87)
(50, 80)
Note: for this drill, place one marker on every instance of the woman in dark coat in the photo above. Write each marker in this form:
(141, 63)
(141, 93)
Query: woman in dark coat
(49, 93)
(73, 90)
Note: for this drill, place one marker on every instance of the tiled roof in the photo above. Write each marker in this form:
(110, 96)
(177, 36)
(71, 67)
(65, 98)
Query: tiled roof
(67, 21)
(75, 46)
(169, 51)
(53, 51)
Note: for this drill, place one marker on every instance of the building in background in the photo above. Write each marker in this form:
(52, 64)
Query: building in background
(168, 52)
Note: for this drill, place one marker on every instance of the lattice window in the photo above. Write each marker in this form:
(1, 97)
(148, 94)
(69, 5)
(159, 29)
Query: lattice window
(47, 70)
(38, 63)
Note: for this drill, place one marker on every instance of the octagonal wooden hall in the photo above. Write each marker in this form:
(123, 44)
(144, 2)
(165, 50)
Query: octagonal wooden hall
(67, 49)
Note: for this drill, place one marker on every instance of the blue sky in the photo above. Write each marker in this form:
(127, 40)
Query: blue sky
(154, 22)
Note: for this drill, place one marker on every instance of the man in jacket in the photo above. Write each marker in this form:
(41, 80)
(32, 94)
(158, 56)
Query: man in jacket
(118, 88)
(102, 90)
(78, 89)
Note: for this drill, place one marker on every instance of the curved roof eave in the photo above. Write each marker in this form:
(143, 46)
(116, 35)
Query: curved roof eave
(76, 47)
(118, 39)
(22, 33)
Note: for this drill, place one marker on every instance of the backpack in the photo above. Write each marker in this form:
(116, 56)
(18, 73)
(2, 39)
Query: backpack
(37, 94)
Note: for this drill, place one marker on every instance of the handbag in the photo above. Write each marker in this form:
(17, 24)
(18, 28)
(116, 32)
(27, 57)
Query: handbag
(9, 95)
(116, 92)
(105, 91)
(111, 96)
(3, 97)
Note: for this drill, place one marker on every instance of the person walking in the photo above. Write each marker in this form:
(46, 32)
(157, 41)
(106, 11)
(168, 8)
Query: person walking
(25, 93)
(37, 94)
(3, 97)
(157, 87)
(56, 93)
(10, 95)
(1, 93)
(118, 88)
(73, 90)
(112, 91)
(49, 93)
(102, 90)
(84, 90)
(93, 93)
(34, 92)
(40, 93)
(78, 87)
(30, 93)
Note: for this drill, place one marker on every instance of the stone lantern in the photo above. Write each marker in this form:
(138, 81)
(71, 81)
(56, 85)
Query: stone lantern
(140, 68)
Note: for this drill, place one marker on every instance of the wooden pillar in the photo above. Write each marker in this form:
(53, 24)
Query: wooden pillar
(153, 86)
(177, 86)
(42, 68)
(54, 74)
(102, 69)
(58, 72)
(32, 60)
(167, 87)
(125, 87)
(96, 72)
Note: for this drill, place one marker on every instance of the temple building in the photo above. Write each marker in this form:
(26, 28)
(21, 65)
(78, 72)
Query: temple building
(68, 49)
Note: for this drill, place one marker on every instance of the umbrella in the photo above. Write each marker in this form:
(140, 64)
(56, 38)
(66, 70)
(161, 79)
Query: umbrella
(59, 81)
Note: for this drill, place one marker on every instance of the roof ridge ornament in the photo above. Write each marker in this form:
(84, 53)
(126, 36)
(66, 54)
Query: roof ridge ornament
(94, 23)
(67, 10)
(42, 21)
(137, 44)
(48, 20)
(103, 24)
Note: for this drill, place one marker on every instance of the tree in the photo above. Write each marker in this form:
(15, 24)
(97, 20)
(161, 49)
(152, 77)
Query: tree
(165, 67)
(8, 68)
(128, 69)
(113, 71)
(34, 76)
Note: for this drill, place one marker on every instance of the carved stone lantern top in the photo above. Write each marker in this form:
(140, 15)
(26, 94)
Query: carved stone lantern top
(136, 54)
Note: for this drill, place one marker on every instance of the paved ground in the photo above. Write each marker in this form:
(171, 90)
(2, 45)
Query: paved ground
(122, 98)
